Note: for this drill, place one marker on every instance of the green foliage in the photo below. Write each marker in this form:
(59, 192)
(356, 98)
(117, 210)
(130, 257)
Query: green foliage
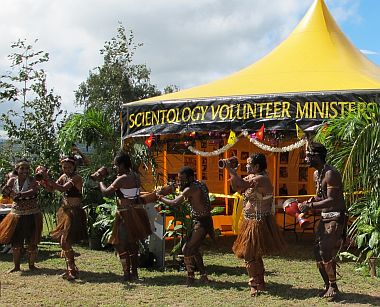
(33, 120)
(118, 80)
(105, 218)
(6, 161)
(171, 89)
(93, 129)
(143, 156)
(179, 228)
(35, 126)
(353, 141)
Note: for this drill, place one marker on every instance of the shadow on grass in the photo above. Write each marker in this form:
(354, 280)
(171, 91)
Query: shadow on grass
(300, 249)
(287, 291)
(99, 277)
(174, 280)
(231, 271)
(356, 298)
(220, 270)
(84, 276)
(43, 254)
(40, 271)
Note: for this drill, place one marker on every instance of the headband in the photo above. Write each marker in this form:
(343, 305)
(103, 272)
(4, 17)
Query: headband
(66, 159)
(312, 153)
(22, 163)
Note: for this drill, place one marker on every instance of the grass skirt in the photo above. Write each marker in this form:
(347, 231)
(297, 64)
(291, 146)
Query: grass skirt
(258, 238)
(16, 229)
(135, 222)
(71, 225)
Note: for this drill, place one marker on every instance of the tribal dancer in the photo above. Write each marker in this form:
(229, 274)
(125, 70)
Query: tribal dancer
(259, 234)
(132, 222)
(196, 193)
(24, 223)
(71, 217)
(331, 229)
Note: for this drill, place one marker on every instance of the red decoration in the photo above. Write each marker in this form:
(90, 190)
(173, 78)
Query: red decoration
(148, 141)
(260, 133)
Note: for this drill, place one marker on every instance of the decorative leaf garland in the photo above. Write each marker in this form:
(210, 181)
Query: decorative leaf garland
(212, 153)
(291, 147)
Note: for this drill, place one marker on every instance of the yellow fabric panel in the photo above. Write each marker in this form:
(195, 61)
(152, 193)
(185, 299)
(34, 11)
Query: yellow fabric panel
(317, 56)
(237, 209)
(236, 213)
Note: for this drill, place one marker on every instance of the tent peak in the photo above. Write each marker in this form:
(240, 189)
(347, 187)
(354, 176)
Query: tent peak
(317, 18)
(316, 57)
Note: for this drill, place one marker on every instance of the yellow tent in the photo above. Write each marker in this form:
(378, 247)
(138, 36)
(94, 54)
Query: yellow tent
(306, 79)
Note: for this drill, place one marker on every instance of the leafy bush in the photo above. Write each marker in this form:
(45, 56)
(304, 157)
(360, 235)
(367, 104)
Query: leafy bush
(105, 217)
(179, 228)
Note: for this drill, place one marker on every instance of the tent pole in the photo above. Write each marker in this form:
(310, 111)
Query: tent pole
(225, 173)
(165, 158)
(275, 179)
(199, 167)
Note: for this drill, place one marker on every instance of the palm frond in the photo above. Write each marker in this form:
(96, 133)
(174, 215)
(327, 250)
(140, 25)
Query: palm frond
(90, 128)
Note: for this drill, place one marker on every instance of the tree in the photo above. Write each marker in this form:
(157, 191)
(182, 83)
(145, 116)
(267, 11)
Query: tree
(354, 143)
(34, 126)
(33, 121)
(118, 80)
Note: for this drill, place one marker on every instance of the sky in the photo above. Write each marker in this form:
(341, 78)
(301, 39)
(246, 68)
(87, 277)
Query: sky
(185, 43)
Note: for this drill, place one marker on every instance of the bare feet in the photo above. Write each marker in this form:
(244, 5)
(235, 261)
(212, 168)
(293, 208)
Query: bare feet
(127, 276)
(63, 275)
(323, 292)
(70, 275)
(332, 292)
(190, 281)
(254, 291)
(15, 269)
(262, 287)
(204, 279)
(134, 277)
(33, 267)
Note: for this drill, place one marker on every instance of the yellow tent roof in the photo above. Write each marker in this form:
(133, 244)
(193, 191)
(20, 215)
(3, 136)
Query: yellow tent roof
(316, 57)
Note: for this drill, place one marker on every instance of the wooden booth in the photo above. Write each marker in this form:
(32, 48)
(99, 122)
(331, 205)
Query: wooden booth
(286, 169)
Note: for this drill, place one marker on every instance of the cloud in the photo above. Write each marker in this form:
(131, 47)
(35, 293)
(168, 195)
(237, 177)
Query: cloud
(343, 10)
(368, 52)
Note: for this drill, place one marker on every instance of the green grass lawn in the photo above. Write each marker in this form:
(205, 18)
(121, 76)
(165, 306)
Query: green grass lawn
(292, 279)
